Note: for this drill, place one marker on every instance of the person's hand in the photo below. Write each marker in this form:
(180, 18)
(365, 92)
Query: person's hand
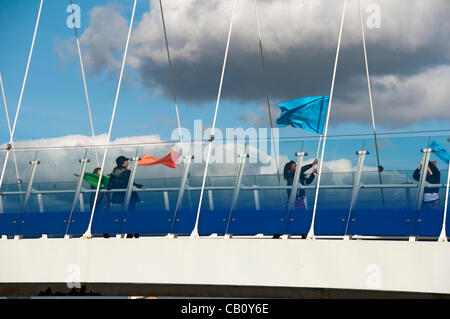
(316, 161)
(143, 188)
(314, 171)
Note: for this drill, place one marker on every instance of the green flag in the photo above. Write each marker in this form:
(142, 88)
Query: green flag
(93, 178)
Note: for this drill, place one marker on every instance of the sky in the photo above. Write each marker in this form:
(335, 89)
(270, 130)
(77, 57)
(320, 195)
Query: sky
(408, 54)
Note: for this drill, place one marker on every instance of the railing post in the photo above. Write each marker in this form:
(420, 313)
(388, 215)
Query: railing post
(83, 162)
(82, 209)
(237, 188)
(40, 203)
(187, 167)
(210, 200)
(126, 202)
(356, 184)
(34, 165)
(357, 179)
(166, 201)
(256, 196)
(423, 177)
(295, 183)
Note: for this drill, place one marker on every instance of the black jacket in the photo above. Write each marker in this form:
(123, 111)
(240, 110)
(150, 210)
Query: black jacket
(119, 180)
(432, 179)
(303, 179)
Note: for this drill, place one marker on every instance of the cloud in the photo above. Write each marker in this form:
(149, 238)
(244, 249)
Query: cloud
(299, 39)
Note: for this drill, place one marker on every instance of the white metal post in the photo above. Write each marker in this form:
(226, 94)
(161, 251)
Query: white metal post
(184, 179)
(356, 184)
(423, 177)
(40, 203)
(34, 165)
(210, 200)
(76, 199)
(256, 196)
(237, 188)
(126, 202)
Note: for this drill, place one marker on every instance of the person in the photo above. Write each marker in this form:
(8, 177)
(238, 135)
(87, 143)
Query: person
(431, 198)
(119, 179)
(102, 200)
(288, 174)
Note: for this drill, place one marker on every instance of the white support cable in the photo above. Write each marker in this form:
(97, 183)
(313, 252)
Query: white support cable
(21, 94)
(363, 34)
(443, 235)
(172, 77)
(83, 74)
(266, 87)
(194, 233)
(311, 230)
(9, 129)
(88, 233)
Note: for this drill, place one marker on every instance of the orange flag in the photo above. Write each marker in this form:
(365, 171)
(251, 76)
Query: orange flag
(169, 160)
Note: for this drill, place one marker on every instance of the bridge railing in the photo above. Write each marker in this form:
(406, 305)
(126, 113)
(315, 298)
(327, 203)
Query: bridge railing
(243, 195)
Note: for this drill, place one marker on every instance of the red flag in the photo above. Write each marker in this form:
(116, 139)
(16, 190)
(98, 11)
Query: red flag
(169, 160)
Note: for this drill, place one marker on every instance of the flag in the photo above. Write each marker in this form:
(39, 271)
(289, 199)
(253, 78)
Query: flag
(307, 113)
(93, 178)
(440, 151)
(169, 160)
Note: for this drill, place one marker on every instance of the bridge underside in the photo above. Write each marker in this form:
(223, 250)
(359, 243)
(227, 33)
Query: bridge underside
(226, 267)
(200, 291)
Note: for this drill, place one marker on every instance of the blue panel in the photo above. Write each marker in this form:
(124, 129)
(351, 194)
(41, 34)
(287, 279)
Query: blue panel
(428, 223)
(257, 222)
(9, 223)
(243, 222)
(106, 222)
(330, 222)
(381, 223)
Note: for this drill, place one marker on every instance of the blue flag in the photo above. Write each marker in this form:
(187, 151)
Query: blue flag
(440, 151)
(307, 113)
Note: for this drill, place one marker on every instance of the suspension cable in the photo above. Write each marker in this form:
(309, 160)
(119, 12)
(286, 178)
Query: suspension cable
(172, 78)
(311, 230)
(19, 182)
(370, 100)
(266, 87)
(88, 233)
(11, 139)
(194, 233)
(84, 82)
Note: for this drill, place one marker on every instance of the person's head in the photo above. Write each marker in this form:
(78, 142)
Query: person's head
(290, 166)
(122, 161)
(97, 170)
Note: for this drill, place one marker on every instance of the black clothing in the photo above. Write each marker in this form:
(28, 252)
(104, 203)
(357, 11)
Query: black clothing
(432, 179)
(102, 200)
(119, 180)
(303, 179)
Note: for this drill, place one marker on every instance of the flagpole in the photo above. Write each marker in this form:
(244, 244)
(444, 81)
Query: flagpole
(311, 230)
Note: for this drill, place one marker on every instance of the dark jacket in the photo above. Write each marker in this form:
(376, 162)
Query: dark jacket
(432, 179)
(303, 179)
(119, 180)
